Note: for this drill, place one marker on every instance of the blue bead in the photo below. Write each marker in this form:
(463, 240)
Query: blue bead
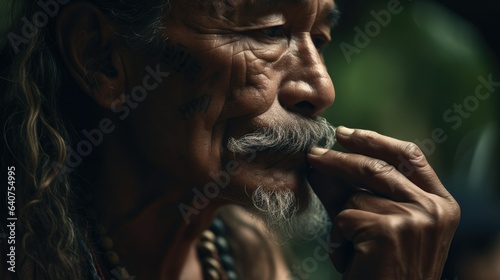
(227, 261)
(218, 227)
(231, 275)
(222, 245)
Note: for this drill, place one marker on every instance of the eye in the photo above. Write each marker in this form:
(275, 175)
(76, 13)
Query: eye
(319, 42)
(274, 31)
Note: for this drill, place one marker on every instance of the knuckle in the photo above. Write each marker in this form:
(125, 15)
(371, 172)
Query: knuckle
(414, 225)
(444, 213)
(424, 222)
(365, 137)
(368, 135)
(454, 213)
(414, 154)
(343, 217)
(396, 226)
(377, 168)
(355, 200)
(351, 202)
(420, 221)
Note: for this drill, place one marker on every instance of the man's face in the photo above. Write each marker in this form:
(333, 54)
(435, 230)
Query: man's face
(235, 66)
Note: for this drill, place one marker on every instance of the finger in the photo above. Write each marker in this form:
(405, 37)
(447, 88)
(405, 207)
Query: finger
(407, 157)
(343, 250)
(347, 227)
(342, 255)
(355, 225)
(332, 192)
(373, 174)
(370, 202)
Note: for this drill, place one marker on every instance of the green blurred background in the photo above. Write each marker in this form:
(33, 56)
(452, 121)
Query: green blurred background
(409, 75)
(423, 63)
(405, 81)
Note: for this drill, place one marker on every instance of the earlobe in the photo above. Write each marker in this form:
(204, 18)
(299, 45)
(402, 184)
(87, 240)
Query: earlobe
(91, 51)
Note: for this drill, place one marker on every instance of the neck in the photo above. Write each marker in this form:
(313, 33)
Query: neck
(139, 206)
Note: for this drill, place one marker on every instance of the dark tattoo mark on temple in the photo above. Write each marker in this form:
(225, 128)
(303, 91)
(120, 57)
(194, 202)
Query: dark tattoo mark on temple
(195, 106)
(178, 57)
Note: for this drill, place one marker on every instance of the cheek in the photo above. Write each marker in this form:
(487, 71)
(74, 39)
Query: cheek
(253, 91)
(172, 129)
(250, 80)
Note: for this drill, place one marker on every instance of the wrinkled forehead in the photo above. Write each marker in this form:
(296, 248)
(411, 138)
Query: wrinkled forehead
(232, 8)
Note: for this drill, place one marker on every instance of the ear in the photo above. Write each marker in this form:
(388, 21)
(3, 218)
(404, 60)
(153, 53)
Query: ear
(91, 51)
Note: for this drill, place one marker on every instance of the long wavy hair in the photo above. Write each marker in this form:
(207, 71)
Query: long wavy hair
(36, 137)
(37, 130)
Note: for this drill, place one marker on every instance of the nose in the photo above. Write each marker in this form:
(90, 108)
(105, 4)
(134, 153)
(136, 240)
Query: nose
(307, 89)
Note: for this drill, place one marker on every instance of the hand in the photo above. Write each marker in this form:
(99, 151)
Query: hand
(392, 217)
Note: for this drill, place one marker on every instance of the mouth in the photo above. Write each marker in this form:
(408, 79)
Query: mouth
(285, 161)
(290, 139)
(279, 146)
(268, 159)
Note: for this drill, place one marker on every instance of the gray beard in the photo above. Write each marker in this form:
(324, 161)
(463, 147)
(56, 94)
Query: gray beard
(295, 136)
(279, 209)
(283, 217)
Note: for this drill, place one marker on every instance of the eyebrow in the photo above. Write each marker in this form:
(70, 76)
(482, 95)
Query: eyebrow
(333, 16)
(274, 2)
(286, 1)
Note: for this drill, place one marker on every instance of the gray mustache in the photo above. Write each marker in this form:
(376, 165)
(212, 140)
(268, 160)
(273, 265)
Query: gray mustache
(298, 136)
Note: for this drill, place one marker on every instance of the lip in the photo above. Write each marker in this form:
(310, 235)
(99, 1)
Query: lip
(270, 160)
(292, 160)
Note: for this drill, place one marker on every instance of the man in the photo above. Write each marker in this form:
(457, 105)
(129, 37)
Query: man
(133, 126)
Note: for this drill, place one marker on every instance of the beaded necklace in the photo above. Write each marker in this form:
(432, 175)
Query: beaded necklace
(212, 248)
(214, 253)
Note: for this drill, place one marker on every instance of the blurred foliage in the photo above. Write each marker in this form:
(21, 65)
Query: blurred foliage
(7, 12)
(425, 61)
(401, 84)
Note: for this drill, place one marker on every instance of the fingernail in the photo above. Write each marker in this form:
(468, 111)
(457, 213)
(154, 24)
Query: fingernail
(344, 131)
(317, 151)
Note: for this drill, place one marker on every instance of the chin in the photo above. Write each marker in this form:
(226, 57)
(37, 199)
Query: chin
(272, 172)
(275, 191)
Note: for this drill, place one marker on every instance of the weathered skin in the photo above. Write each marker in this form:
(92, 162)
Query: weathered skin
(249, 65)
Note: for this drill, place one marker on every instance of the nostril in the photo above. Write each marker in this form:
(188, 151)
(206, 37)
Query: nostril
(308, 97)
(305, 105)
